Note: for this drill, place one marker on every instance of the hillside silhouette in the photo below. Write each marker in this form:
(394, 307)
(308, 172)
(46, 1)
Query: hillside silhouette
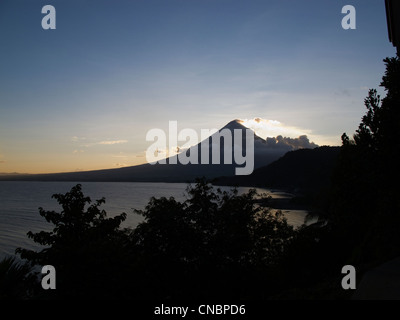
(304, 170)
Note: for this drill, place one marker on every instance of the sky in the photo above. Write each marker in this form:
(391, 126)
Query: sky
(83, 96)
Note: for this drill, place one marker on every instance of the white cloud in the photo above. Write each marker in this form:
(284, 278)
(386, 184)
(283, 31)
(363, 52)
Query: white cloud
(110, 142)
(265, 128)
(271, 128)
(104, 143)
(77, 139)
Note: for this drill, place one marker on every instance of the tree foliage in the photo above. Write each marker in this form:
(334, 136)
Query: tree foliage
(82, 246)
(214, 239)
(365, 207)
(216, 243)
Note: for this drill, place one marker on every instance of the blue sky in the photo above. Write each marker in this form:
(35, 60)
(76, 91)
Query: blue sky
(84, 95)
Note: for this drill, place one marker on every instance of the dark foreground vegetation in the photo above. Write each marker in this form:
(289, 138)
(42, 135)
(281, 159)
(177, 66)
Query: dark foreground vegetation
(213, 245)
(225, 245)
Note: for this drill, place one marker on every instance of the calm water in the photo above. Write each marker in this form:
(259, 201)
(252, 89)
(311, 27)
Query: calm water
(19, 203)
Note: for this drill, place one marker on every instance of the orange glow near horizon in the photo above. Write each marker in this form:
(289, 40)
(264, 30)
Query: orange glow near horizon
(58, 163)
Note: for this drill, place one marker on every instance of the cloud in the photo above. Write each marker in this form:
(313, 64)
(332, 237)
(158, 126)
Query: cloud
(78, 151)
(272, 128)
(110, 142)
(343, 92)
(104, 143)
(77, 139)
(120, 156)
(279, 136)
(280, 142)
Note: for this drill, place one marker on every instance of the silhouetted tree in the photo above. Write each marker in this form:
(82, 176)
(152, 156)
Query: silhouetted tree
(365, 206)
(85, 247)
(214, 244)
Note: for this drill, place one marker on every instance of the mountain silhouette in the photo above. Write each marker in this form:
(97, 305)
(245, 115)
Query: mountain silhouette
(265, 152)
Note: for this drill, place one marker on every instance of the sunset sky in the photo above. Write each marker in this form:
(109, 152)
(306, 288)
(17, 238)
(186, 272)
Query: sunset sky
(83, 96)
